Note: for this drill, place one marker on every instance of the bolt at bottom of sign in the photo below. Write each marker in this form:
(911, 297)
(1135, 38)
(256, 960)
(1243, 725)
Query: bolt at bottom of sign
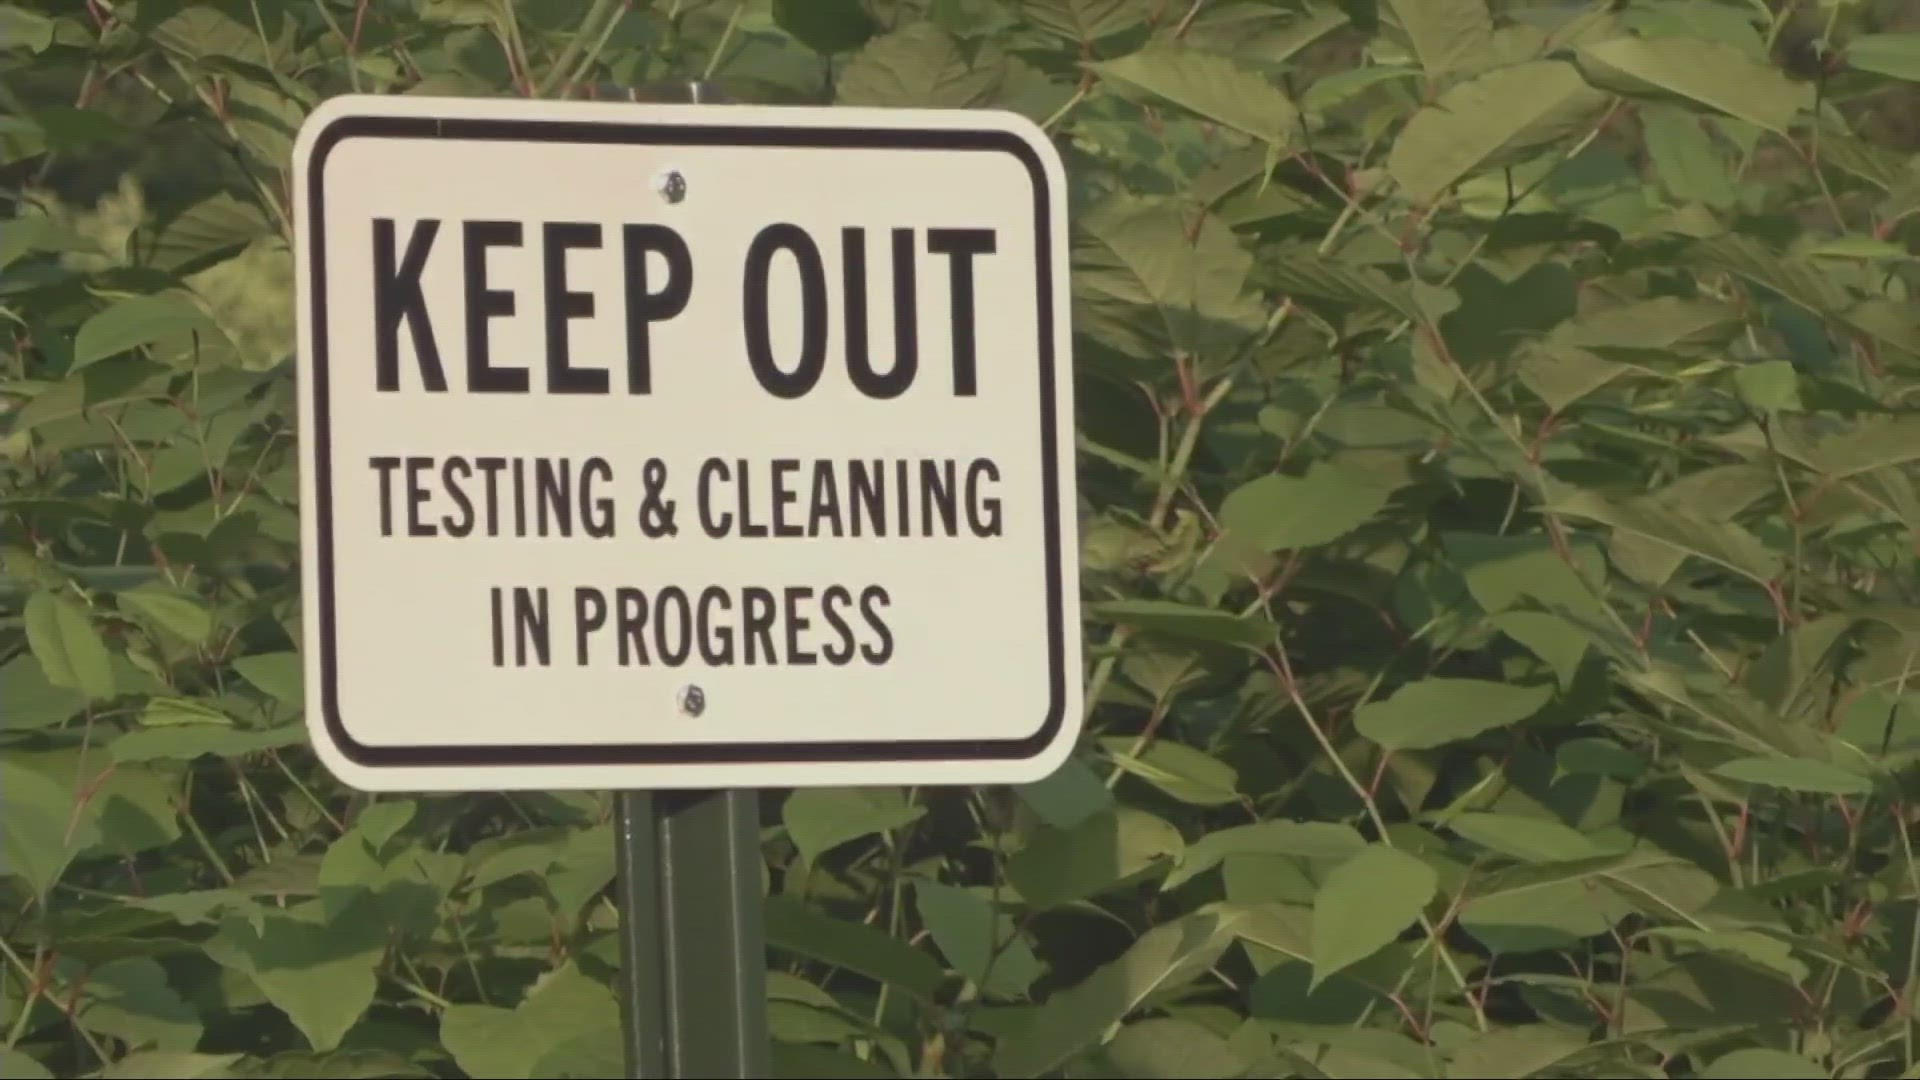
(692, 700)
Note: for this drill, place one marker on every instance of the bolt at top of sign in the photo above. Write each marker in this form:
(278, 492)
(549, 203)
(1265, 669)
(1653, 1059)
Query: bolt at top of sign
(588, 469)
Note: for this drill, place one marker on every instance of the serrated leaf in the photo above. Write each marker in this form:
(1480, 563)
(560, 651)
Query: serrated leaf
(1447, 35)
(62, 636)
(821, 819)
(1210, 86)
(1713, 74)
(1086, 20)
(1364, 904)
(1897, 55)
(1437, 711)
(979, 941)
(1796, 774)
(919, 66)
(1489, 121)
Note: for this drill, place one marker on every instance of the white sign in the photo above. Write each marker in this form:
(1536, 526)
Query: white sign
(654, 446)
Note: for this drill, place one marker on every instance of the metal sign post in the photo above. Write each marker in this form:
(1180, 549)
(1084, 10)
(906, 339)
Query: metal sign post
(692, 948)
(693, 961)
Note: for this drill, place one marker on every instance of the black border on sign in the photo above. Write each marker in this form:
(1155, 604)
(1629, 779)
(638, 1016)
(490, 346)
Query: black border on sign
(641, 133)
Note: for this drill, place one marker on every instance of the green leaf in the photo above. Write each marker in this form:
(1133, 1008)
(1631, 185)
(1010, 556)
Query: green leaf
(1181, 771)
(1437, 711)
(16, 1065)
(1532, 839)
(70, 651)
(1683, 153)
(1167, 1048)
(186, 741)
(278, 675)
(215, 228)
(566, 1010)
(137, 321)
(1208, 85)
(1495, 119)
(320, 975)
(1754, 947)
(1301, 839)
(33, 700)
(1176, 621)
(1663, 324)
(1279, 513)
(1086, 20)
(171, 1065)
(1192, 271)
(1553, 639)
(919, 66)
(1059, 866)
(1713, 74)
(20, 28)
(1067, 797)
(44, 828)
(1770, 386)
(825, 26)
(1873, 444)
(1519, 1051)
(1796, 774)
(1364, 904)
(180, 613)
(131, 1000)
(1447, 35)
(1897, 55)
(1163, 960)
(797, 928)
(979, 941)
(1762, 1063)
(1720, 542)
(821, 819)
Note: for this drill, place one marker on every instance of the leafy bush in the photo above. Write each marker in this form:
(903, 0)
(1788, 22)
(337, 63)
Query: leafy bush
(1497, 421)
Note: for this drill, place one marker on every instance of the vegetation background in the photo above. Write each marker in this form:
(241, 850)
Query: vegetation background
(1498, 429)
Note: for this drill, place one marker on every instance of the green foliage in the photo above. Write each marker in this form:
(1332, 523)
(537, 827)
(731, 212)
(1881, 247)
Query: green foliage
(1498, 424)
